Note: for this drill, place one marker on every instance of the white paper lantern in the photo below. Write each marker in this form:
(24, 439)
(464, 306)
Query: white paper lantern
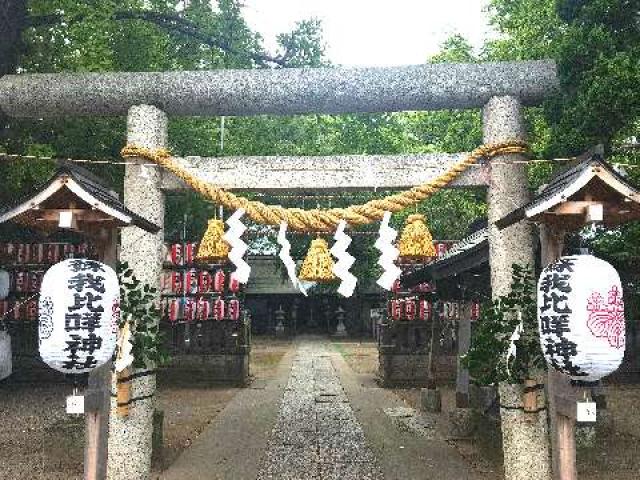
(79, 313)
(581, 317)
(5, 282)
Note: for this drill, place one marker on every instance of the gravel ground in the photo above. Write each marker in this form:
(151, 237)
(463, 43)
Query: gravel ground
(612, 456)
(39, 441)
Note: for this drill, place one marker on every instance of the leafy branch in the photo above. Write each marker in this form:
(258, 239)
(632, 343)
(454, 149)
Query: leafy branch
(171, 22)
(137, 305)
(487, 356)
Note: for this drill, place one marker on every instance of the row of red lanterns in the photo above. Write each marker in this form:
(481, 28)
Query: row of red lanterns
(19, 310)
(420, 309)
(195, 281)
(182, 253)
(201, 309)
(409, 309)
(43, 253)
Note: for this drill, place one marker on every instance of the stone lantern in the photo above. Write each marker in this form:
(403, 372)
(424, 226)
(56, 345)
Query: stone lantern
(341, 330)
(280, 317)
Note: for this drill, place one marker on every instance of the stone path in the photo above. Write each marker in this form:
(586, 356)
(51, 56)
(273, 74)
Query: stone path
(317, 435)
(315, 418)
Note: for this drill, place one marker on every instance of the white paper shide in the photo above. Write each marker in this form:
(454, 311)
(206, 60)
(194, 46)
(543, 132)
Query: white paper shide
(79, 313)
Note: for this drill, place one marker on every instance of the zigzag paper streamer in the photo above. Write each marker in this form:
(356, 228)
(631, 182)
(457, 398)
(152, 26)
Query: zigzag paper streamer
(345, 261)
(515, 336)
(285, 256)
(125, 348)
(238, 246)
(388, 253)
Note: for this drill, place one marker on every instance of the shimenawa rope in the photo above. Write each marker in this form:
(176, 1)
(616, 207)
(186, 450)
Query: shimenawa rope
(325, 220)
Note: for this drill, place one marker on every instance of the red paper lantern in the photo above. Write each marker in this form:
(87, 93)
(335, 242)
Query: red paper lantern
(32, 310)
(177, 281)
(21, 281)
(174, 310)
(396, 309)
(82, 250)
(204, 282)
(35, 280)
(68, 251)
(424, 310)
(218, 309)
(52, 253)
(218, 281)
(410, 309)
(189, 309)
(475, 311)
(204, 309)
(234, 309)
(176, 254)
(37, 253)
(234, 284)
(189, 253)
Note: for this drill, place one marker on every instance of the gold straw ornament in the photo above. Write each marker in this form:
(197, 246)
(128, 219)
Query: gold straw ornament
(213, 248)
(416, 242)
(318, 264)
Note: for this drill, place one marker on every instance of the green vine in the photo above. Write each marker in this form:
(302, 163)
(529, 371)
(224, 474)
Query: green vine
(487, 356)
(137, 304)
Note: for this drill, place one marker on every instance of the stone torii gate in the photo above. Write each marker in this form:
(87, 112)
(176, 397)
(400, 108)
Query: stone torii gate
(500, 89)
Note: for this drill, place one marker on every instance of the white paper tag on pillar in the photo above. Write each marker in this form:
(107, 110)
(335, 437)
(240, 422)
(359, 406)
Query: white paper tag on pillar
(586, 412)
(75, 404)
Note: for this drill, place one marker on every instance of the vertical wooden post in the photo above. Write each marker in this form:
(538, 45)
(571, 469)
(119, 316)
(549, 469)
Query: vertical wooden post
(434, 345)
(464, 342)
(99, 389)
(563, 439)
(97, 423)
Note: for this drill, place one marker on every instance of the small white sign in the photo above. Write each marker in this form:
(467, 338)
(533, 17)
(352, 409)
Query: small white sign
(586, 412)
(75, 404)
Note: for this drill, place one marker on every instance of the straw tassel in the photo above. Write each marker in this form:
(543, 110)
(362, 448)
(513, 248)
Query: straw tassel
(318, 264)
(416, 242)
(213, 248)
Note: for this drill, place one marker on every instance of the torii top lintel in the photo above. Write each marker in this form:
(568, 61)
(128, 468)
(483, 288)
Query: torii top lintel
(278, 91)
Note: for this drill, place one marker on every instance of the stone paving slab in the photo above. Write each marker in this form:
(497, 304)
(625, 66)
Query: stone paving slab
(317, 435)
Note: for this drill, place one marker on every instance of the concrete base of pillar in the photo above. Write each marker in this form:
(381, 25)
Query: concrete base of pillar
(462, 423)
(525, 437)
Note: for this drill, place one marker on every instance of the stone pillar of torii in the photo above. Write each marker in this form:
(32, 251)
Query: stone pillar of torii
(500, 88)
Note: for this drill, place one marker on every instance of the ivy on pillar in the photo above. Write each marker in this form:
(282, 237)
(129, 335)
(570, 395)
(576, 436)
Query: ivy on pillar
(130, 437)
(525, 435)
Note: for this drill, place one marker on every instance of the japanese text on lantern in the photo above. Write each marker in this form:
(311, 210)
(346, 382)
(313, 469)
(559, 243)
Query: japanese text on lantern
(555, 310)
(83, 317)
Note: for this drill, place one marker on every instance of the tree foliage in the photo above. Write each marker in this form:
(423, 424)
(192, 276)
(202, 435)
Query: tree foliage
(488, 360)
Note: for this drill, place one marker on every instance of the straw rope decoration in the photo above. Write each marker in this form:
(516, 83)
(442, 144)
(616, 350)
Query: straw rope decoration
(322, 220)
